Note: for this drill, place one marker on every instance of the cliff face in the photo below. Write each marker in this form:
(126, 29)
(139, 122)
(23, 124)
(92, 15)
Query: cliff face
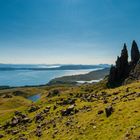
(134, 74)
(125, 72)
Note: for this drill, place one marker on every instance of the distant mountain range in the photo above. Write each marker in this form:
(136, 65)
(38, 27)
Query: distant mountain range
(4, 67)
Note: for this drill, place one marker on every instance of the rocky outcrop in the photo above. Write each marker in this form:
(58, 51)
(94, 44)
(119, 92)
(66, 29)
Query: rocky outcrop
(124, 71)
(135, 54)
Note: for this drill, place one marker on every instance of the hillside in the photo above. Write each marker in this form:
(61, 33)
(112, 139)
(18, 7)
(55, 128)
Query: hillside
(94, 75)
(107, 110)
(71, 113)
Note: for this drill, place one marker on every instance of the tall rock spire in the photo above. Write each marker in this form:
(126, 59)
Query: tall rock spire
(135, 54)
(119, 72)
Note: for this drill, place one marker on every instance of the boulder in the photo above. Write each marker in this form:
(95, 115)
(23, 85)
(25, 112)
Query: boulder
(100, 112)
(17, 113)
(14, 121)
(108, 111)
(69, 101)
(69, 111)
(38, 132)
(1, 136)
(14, 132)
(115, 98)
(105, 101)
(6, 125)
(54, 107)
(138, 95)
(39, 118)
(33, 109)
(46, 110)
(26, 120)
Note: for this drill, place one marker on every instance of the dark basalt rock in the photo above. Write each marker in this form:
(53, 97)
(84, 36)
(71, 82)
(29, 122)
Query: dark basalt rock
(105, 101)
(100, 112)
(138, 95)
(14, 121)
(26, 120)
(86, 108)
(39, 118)
(17, 113)
(38, 132)
(1, 136)
(54, 107)
(115, 98)
(6, 125)
(125, 72)
(33, 109)
(19, 118)
(108, 111)
(14, 132)
(69, 111)
(68, 101)
(47, 109)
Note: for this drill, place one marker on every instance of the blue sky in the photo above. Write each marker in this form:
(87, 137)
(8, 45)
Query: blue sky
(67, 31)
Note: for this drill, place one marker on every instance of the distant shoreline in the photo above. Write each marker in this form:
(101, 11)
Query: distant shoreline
(83, 76)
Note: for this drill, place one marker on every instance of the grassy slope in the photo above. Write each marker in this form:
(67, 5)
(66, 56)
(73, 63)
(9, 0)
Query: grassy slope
(85, 125)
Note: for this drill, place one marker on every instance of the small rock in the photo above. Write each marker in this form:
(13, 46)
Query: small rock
(17, 113)
(105, 101)
(14, 121)
(33, 109)
(54, 107)
(38, 132)
(138, 95)
(39, 118)
(1, 135)
(14, 132)
(46, 110)
(115, 98)
(69, 111)
(55, 132)
(26, 120)
(127, 134)
(100, 112)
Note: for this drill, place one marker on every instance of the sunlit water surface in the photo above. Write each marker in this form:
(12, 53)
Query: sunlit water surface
(30, 77)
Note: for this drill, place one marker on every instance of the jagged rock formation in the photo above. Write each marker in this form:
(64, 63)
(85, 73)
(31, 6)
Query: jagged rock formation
(134, 74)
(135, 54)
(124, 71)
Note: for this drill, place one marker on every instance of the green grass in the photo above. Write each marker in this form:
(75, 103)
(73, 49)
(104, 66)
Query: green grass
(85, 125)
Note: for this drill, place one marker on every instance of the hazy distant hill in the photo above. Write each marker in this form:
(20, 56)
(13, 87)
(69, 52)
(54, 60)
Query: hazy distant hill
(49, 67)
(94, 75)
